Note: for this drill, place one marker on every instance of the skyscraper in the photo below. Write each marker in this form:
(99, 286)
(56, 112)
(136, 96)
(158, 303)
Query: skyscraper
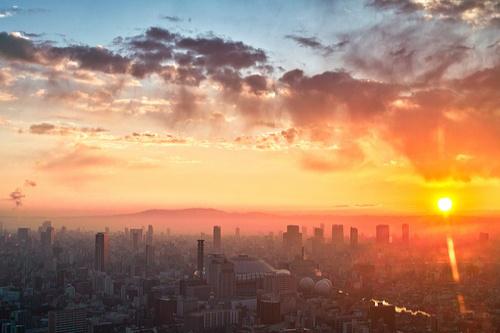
(406, 233)
(292, 240)
(201, 250)
(217, 239)
(101, 251)
(221, 276)
(47, 238)
(136, 236)
(64, 321)
(337, 234)
(149, 235)
(354, 237)
(383, 234)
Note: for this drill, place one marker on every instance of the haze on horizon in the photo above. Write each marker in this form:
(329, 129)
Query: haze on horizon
(372, 106)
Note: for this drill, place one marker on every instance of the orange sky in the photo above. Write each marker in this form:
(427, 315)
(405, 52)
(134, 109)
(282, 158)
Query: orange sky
(381, 117)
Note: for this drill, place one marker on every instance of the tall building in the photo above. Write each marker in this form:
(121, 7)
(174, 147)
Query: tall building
(354, 237)
(101, 251)
(292, 240)
(406, 233)
(237, 232)
(23, 235)
(304, 232)
(217, 239)
(47, 238)
(383, 234)
(200, 257)
(337, 234)
(150, 257)
(221, 276)
(136, 237)
(68, 321)
(149, 235)
(318, 241)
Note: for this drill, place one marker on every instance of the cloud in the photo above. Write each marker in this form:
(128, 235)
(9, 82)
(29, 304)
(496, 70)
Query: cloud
(408, 51)
(171, 18)
(17, 197)
(331, 96)
(16, 10)
(48, 128)
(476, 12)
(315, 44)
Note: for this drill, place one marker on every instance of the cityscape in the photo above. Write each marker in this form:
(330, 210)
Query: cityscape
(264, 166)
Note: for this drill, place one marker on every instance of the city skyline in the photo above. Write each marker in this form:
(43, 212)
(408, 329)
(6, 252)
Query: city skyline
(355, 107)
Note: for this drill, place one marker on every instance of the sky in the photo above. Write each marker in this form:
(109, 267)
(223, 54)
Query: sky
(377, 106)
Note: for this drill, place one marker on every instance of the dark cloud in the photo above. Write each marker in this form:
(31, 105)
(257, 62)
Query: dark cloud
(314, 43)
(17, 197)
(17, 48)
(256, 83)
(324, 97)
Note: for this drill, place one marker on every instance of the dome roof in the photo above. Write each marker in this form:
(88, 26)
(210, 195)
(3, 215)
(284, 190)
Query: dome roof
(306, 284)
(283, 272)
(244, 264)
(323, 287)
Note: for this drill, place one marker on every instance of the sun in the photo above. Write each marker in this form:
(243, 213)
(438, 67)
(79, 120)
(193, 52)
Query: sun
(445, 204)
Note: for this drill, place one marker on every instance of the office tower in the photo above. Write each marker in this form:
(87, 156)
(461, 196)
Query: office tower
(200, 257)
(382, 318)
(150, 257)
(64, 321)
(304, 232)
(165, 309)
(106, 229)
(354, 237)
(383, 235)
(101, 251)
(127, 233)
(318, 242)
(136, 235)
(406, 233)
(149, 235)
(23, 235)
(292, 240)
(237, 232)
(322, 226)
(47, 238)
(217, 241)
(221, 276)
(337, 234)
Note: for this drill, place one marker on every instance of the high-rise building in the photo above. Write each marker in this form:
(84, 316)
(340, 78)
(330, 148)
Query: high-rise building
(354, 237)
(101, 251)
(150, 257)
(318, 241)
(406, 233)
(337, 234)
(23, 235)
(136, 236)
(304, 232)
(65, 321)
(221, 276)
(47, 238)
(237, 232)
(383, 234)
(149, 235)
(200, 257)
(292, 240)
(483, 237)
(217, 239)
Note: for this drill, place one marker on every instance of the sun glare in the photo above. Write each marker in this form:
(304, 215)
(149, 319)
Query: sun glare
(445, 204)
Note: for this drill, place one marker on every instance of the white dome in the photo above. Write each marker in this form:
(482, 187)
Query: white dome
(283, 272)
(323, 287)
(306, 284)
